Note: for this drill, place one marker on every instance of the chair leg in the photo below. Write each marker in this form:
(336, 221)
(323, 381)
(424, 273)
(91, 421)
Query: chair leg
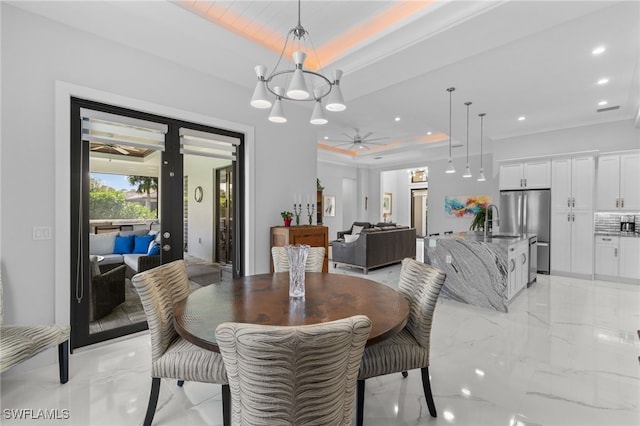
(426, 385)
(360, 402)
(153, 401)
(63, 361)
(226, 405)
(180, 383)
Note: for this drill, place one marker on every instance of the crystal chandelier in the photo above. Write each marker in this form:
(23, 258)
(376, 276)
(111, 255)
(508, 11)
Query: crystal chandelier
(297, 81)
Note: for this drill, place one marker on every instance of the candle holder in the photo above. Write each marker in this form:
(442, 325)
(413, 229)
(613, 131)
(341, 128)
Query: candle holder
(297, 210)
(310, 211)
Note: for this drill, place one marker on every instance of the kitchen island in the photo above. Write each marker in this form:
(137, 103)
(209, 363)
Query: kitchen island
(486, 272)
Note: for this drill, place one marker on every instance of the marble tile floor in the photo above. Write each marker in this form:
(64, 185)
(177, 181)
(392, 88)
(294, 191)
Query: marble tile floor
(565, 354)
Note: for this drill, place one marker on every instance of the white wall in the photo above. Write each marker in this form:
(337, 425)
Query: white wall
(618, 135)
(331, 178)
(36, 53)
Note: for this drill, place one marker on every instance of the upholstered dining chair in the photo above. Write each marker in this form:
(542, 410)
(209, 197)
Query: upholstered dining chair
(172, 356)
(409, 349)
(295, 375)
(315, 259)
(21, 342)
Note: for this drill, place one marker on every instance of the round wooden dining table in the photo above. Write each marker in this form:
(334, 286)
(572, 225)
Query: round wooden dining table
(264, 299)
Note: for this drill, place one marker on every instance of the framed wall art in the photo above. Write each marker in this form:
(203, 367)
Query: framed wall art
(329, 205)
(386, 203)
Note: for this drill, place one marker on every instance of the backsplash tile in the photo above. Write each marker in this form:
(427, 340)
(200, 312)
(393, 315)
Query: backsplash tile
(610, 222)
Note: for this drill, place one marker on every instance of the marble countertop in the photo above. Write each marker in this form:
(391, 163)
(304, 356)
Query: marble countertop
(619, 234)
(500, 240)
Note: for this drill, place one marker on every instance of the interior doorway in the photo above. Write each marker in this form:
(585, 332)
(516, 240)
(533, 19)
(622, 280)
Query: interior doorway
(419, 211)
(160, 157)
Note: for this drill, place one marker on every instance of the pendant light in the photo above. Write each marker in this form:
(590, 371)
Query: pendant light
(481, 175)
(450, 168)
(467, 170)
(277, 112)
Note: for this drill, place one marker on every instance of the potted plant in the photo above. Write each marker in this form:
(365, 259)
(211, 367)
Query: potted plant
(286, 216)
(478, 220)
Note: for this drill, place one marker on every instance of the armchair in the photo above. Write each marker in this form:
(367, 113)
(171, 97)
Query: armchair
(106, 289)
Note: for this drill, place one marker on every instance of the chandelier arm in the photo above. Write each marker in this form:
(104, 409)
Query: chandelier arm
(283, 96)
(284, 48)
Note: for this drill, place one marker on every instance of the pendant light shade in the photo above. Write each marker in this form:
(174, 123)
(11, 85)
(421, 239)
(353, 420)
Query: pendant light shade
(467, 170)
(298, 88)
(335, 101)
(260, 98)
(481, 177)
(450, 168)
(277, 112)
(317, 117)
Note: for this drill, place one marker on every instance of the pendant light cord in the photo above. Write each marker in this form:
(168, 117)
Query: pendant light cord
(481, 135)
(467, 104)
(450, 90)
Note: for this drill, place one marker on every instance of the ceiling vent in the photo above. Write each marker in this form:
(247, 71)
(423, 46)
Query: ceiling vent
(611, 108)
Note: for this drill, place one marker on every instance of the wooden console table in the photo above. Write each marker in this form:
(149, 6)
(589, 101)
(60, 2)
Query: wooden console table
(312, 235)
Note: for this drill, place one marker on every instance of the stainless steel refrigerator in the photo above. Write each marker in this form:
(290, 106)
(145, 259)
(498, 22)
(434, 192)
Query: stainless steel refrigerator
(528, 212)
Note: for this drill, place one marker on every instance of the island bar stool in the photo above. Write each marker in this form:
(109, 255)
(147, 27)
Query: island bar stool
(408, 349)
(448, 232)
(293, 375)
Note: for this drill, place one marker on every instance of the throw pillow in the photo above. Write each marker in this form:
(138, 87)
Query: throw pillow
(123, 245)
(355, 230)
(141, 243)
(350, 238)
(154, 249)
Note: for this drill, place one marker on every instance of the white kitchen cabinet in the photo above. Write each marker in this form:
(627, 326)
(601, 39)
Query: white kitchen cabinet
(572, 183)
(629, 257)
(531, 174)
(617, 182)
(606, 258)
(572, 242)
(518, 268)
(572, 214)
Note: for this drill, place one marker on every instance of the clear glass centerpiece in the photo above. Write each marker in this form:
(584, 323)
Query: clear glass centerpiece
(297, 255)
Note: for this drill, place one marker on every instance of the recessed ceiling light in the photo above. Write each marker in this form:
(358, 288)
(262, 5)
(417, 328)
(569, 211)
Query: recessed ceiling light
(603, 81)
(397, 118)
(602, 103)
(598, 50)
(428, 133)
(326, 138)
(522, 118)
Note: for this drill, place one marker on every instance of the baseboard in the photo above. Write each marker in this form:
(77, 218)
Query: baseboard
(617, 279)
(572, 275)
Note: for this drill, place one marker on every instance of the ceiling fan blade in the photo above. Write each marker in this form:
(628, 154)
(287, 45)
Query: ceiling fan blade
(121, 150)
(339, 140)
(349, 136)
(376, 139)
(366, 135)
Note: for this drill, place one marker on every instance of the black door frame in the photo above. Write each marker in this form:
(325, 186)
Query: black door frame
(171, 172)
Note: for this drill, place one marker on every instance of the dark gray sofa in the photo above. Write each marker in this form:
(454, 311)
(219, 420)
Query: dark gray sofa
(376, 246)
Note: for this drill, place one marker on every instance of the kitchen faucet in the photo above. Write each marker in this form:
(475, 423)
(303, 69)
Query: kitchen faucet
(486, 218)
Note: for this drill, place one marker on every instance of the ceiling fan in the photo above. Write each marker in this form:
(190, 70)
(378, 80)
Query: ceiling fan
(358, 141)
(109, 148)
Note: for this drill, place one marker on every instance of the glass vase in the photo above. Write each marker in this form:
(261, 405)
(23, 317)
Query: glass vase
(297, 256)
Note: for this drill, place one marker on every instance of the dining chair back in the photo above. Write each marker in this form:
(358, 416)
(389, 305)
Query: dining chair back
(315, 259)
(294, 375)
(172, 356)
(409, 349)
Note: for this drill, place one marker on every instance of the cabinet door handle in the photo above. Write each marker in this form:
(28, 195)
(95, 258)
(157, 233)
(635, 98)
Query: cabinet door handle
(617, 202)
(568, 201)
(568, 217)
(615, 252)
(524, 258)
(521, 185)
(622, 203)
(573, 217)
(525, 182)
(573, 201)
(606, 239)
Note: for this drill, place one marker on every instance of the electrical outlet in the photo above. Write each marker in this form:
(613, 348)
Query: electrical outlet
(41, 232)
(448, 259)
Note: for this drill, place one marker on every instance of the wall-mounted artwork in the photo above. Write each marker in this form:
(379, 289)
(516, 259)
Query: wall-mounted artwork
(386, 203)
(329, 203)
(465, 205)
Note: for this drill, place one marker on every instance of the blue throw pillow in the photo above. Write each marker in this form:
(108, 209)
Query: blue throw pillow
(141, 245)
(154, 249)
(123, 245)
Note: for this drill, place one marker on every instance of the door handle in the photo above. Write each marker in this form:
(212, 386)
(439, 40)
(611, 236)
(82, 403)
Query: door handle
(166, 247)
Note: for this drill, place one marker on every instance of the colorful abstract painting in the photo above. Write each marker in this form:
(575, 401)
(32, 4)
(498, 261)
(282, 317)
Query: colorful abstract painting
(465, 205)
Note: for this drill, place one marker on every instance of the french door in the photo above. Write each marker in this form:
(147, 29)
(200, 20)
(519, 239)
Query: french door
(159, 155)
